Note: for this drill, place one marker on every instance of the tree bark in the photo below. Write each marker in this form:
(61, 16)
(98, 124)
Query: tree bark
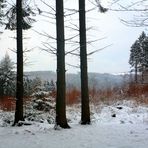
(85, 111)
(61, 84)
(19, 82)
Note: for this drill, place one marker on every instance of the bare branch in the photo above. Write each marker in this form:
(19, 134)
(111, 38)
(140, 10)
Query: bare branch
(98, 50)
(141, 15)
(92, 41)
(71, 52)
(135, 23)
(44, 34)
(47, 44)
(49, 13)
(75, 54)
(71, 28)
(72, 13)
(72, 37)
(13, 50)
(48, 48)
(47, 16)
(73, 42)
(48, 5)
(29, 50)
(73, 65)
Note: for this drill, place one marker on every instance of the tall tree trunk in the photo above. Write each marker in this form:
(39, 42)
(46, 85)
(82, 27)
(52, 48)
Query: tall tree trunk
(61, 84)
(85, 115)
(19, 82)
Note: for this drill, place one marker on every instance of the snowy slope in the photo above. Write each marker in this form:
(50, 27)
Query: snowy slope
(121, 125)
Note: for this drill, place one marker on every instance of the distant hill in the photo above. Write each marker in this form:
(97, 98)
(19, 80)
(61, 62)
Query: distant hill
(43, 75)
(101, 81)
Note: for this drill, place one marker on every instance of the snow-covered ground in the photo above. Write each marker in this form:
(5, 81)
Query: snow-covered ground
(121, 125)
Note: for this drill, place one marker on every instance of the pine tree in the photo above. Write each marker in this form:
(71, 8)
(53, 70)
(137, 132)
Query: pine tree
(135, 57)
(61, 84)
(139, 55)
(144, 56)
(7, 77)
(18, 17)
(19, 82)
(85, 111)
(2, 5)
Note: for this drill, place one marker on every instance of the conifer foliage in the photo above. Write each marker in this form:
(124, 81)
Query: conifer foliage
(139, 55)
(7, 77)
(11, 15)
(1, 10)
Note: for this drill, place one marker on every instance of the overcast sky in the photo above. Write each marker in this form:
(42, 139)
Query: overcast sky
(113, 59)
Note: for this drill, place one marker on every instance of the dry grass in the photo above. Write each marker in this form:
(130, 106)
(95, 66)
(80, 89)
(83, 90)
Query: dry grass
(73, 96)
(138, 92)
(7, 103)
(135, 92)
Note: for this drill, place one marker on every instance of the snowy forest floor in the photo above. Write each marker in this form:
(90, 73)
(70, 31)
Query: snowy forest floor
(120, 125)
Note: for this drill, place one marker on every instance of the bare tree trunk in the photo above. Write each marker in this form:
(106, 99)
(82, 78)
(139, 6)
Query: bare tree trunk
(19, 84)
(61, 84)
(85, 115)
